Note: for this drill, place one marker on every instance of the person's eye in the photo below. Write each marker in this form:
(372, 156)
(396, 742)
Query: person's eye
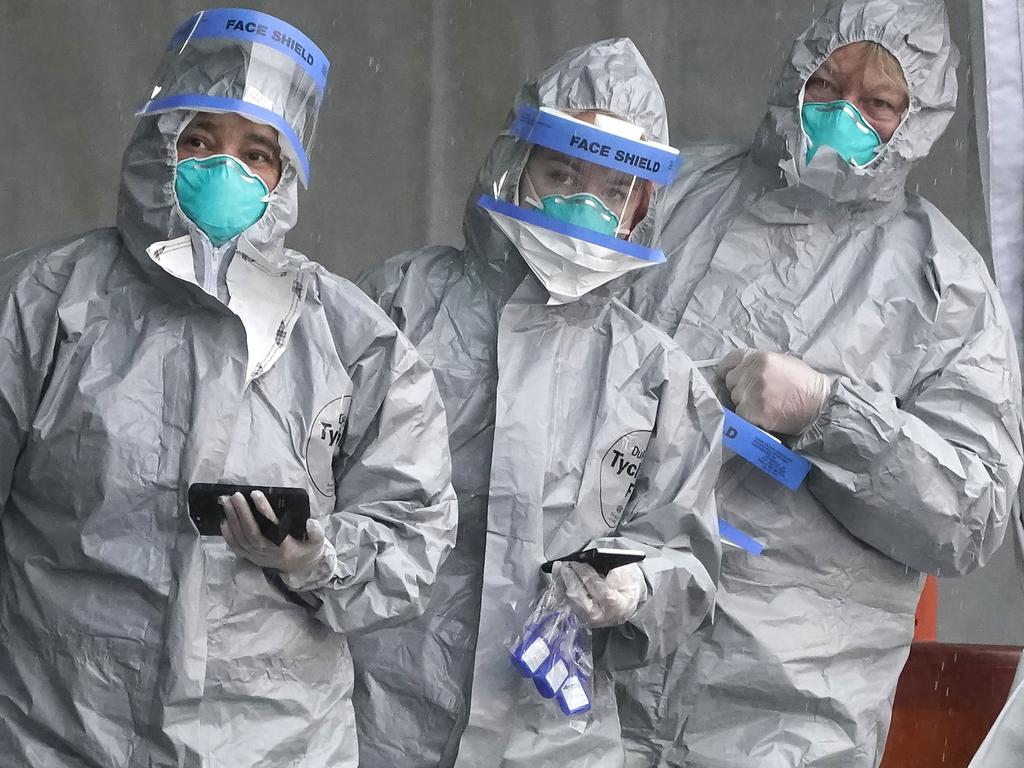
(881, 104)
(619, 194)
(819, 83)
(562, 176)
(195, 142)
(255, 157)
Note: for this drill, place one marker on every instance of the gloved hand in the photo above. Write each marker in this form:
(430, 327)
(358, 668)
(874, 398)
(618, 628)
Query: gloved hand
(301, 563)
(779, 393)
(606, 601)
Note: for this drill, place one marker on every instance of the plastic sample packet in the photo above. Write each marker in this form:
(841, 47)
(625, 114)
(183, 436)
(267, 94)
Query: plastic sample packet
(553, 649)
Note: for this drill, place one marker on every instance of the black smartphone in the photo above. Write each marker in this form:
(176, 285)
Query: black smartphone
(291, 505)
(601, 559)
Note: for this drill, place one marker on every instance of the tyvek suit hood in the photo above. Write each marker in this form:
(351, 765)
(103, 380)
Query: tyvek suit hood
(526, 466)
(577, 82)
(917, 33)
(162, 239)
(223, 60)
(148, 210)
(220, 74)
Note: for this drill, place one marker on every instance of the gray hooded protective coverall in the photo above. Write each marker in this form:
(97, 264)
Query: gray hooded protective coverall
(916, 454)
(538, 398)
(126, 639)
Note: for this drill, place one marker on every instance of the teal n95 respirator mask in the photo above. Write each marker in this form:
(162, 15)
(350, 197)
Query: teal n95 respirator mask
(220, 195)
(841, 126)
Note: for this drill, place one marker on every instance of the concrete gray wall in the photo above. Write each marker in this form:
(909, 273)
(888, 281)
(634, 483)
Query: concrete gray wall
(417, 91)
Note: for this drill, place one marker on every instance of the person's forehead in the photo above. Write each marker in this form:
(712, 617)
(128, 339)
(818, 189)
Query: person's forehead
(543, 154)
(848, 58)
(546, 155)
(230, 121)
(852, 62)
(587, 115)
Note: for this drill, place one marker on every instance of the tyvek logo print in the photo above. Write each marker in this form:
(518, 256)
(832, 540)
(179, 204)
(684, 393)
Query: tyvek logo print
(326, 435)
(619, 469)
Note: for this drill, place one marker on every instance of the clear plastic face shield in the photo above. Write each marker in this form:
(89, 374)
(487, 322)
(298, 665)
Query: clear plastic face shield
(249, 63)
(589, 181)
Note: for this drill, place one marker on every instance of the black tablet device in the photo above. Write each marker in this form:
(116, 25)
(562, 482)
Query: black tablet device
(291, 505)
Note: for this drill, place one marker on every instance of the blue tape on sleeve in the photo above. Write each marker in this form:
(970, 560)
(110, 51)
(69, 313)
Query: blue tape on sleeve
(256, 27)
(578, 139)
(764, 451)
(731, 535)
(626, 247)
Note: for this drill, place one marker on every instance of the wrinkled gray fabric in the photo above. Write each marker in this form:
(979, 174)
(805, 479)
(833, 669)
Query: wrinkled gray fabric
(916, 455)
(126, 639)
(538, 399)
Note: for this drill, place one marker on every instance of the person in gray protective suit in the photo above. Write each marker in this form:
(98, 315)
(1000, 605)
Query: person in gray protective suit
(549, 386)
(858, 324)
(189, 345)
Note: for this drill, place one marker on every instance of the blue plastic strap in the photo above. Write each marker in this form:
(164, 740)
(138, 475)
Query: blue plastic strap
(200, 102)
(578, 139)
(625, 247)
(256, 27)
(764, 451)
(738, 538)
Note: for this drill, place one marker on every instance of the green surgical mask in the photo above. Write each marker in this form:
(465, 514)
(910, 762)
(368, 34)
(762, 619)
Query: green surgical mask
(221, 195)
(583, 210)
(840, 125)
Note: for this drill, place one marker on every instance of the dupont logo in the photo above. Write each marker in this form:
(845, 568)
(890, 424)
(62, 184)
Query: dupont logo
(326, 437)
(619, 468)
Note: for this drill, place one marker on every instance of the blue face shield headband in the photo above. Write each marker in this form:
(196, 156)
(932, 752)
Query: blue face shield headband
(840, 125)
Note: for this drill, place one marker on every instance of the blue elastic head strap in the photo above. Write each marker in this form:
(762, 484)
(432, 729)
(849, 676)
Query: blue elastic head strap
(579, 139)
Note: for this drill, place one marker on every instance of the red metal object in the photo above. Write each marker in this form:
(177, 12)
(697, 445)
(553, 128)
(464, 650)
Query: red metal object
(947, 699)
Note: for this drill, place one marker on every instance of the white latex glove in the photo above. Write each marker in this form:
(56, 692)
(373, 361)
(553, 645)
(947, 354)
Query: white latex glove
(779, 393)
(606, 601)
(299, 562)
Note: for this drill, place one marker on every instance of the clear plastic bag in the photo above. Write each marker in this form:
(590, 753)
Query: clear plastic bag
(554, 650)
